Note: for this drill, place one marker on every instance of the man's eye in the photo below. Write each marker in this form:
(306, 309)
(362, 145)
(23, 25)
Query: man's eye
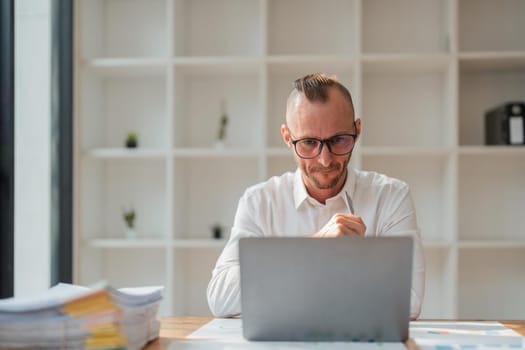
(308, 142)
(337, 139)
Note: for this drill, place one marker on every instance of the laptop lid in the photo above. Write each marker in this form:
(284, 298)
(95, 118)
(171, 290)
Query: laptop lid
(331, 289)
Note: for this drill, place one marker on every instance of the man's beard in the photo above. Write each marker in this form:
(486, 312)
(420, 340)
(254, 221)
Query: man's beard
(310, 172)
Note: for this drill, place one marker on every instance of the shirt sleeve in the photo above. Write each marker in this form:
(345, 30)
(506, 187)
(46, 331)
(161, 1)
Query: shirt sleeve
(401, 220)
(223, 293)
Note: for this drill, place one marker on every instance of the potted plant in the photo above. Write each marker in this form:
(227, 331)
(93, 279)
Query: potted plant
(132, 140)
(223, 122)
(216, 231)
(129, 217)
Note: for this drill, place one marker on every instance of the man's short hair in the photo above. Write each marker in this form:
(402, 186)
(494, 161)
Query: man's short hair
(315, 87)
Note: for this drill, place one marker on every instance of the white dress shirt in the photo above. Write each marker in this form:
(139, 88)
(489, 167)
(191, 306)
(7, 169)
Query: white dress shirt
(281, 206)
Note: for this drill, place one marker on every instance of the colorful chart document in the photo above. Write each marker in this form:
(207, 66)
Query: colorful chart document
(465, 336)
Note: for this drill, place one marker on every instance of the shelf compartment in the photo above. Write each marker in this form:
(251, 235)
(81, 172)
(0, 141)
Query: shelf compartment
(405, 151)
(389, 107)
(193, 266)
(105, 29)
(207, 192)
(491, 284)
(303, 34)
(492, 150)
(114, 106)
(338, 60)
(109, 187)
(214, 28)
(217, 65)
(437, 244)
(491, 198)
(279, 152)
(126, 67)
(281, 75)
(430, 181)
(492, 244)
(126, 243)
(154, 243)
(387, 28)
(486, 25)
(125, 153)
(198, 97)
(482, 89)
(278, 165)
(439, 295)
(496, 61)
(407, 63)
(214, 153)
(204, 243)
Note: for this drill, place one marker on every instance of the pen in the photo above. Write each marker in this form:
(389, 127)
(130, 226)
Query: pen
(350, 204)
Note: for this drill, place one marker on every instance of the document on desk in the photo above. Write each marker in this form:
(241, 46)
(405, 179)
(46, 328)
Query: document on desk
(227, 334)
(465, 336)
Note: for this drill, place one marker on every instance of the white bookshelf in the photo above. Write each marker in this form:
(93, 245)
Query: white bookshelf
(421, 73)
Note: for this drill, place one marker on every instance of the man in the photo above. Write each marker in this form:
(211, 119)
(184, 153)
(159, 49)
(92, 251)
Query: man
(322, 198)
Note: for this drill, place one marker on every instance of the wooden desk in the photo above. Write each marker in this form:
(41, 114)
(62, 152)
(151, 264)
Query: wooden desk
(177, 328)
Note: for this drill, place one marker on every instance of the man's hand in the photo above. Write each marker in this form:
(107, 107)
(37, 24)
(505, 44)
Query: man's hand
(342, 225)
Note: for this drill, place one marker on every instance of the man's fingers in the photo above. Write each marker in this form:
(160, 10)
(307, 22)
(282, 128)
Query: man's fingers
(350, 224)
(343, 225)
(358, 225)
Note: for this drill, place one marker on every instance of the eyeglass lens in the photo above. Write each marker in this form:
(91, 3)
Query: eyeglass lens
(338, 145)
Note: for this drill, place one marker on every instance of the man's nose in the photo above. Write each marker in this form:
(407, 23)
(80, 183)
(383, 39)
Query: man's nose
(325, 157)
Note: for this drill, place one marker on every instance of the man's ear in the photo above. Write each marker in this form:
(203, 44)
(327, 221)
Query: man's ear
(286, 135)
(358, 128)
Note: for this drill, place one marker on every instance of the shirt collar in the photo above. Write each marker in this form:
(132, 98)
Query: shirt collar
(300, 194)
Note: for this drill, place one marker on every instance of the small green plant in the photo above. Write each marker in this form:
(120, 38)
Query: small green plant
(132, 140)
(222, 127)
(223, 123)
(129, 217)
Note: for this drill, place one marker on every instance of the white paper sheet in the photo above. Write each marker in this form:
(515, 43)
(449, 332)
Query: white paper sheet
(465, 336)
(227, 334)
(228, 345)
(40, 321)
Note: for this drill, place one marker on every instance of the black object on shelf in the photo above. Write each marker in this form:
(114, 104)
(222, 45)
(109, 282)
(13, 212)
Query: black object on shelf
(217, 231)
(505, 124)
(132, 140)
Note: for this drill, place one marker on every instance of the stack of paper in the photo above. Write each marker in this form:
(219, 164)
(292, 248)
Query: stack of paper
(75, 317)
(471, 335)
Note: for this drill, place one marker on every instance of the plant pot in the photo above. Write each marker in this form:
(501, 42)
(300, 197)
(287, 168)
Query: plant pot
(219, 144)
(131, 233)
(217, 232)
(131, 144)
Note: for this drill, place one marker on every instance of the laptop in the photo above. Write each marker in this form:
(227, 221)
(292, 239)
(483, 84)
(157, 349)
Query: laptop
(326, 289)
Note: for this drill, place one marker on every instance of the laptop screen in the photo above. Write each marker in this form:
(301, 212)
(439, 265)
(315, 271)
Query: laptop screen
(332, 289)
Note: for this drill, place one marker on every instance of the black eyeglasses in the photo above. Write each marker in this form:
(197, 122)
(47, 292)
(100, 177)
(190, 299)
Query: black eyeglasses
(309, 147)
